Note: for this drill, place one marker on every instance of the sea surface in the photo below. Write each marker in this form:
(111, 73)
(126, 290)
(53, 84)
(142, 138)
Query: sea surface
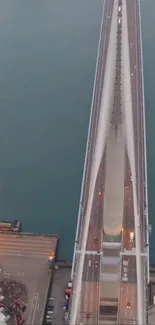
(47, 63)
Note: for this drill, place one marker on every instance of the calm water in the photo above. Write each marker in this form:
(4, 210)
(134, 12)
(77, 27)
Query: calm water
(47, 63)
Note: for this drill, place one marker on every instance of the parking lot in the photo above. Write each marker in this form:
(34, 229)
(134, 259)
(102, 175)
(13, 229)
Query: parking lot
(60, 281)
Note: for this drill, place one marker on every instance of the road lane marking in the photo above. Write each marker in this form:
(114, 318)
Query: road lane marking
(90, 252)
(32, 307)
(36, 297)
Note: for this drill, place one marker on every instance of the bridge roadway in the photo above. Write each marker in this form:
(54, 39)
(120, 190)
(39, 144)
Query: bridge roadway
(108, 7)
(136, 88)
(128, 292)
(89, 304)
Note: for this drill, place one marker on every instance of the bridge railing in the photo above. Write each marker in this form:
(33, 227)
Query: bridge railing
(146, 264)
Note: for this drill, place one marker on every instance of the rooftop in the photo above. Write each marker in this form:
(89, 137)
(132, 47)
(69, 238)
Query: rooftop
(24, 257)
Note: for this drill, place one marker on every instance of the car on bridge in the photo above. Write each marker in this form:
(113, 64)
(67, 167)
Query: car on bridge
(96, 264)
(89, 263)
(128, 305)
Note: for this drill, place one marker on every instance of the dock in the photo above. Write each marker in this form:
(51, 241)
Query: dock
(24, 258)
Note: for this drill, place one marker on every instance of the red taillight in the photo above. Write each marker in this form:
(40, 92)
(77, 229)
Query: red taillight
(88, 315)
(91, 227)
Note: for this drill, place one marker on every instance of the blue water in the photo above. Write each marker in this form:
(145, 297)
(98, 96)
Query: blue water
(47, 64)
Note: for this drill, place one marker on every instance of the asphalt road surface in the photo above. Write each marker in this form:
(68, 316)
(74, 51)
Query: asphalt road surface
(60, 281)
(90, 299)
(137, 103)
(96, 103)
(128, 291)
(89, 304)
(129, 277)
(88, 312)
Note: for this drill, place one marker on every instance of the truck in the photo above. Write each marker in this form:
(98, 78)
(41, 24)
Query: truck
(69, 285)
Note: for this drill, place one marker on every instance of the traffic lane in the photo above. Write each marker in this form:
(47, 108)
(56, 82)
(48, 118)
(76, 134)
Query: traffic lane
(91, 268)
(97, 101)
(96, 270)
(86, 297)
(127, 171)
(103, 56)
(136, 26)
(137, 84)
(97, 98)
(89, 305)
(96, 219)
(141, 128)
(95, 234)
(100, 76)
(107, 33)
(132, 22)
(137, 108)
(128, 269)
(141, 119)
(87, 270)
(132, 50)
(128, 175)
(128, 231)
(133, 58)
(99, 213)
(133, 72)
(128, 295)
(91, 276)
(128, 243)
(94, 240)
(94, 243)
(128, 221)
